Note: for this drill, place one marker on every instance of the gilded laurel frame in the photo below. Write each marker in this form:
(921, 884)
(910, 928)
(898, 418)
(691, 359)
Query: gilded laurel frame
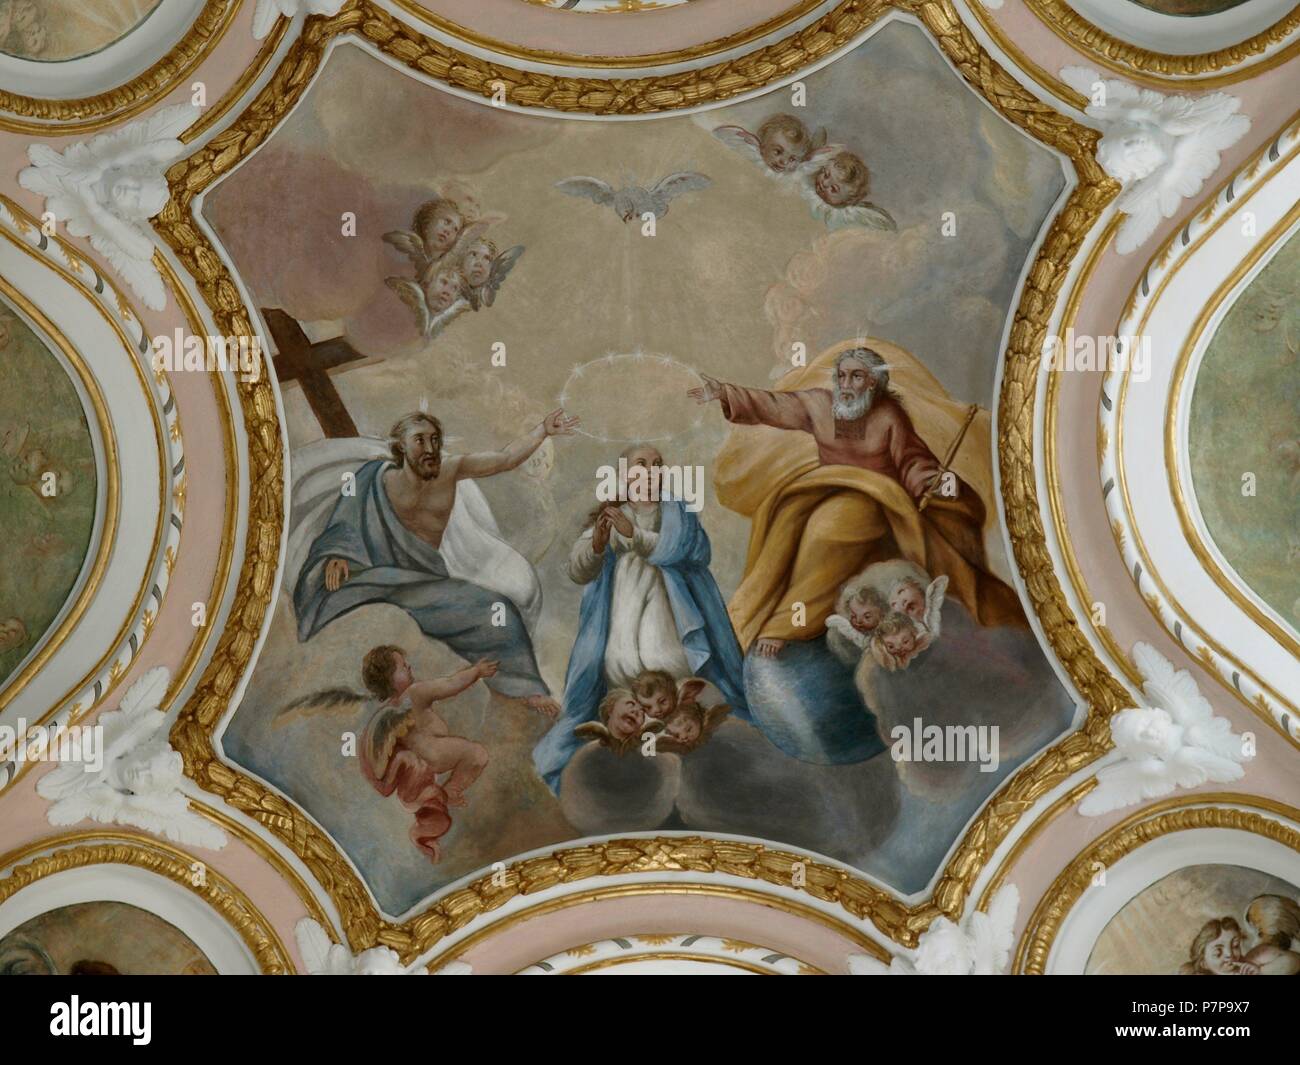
(1204, 70)
(1259, 816)
(192, 734)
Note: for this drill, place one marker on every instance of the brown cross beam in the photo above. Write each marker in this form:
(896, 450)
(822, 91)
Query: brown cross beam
(297, 359)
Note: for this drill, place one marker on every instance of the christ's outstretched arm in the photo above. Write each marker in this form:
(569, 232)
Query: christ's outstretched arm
(486, 463)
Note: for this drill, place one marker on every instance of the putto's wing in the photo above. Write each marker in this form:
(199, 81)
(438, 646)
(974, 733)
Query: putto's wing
(741, 140)
(326, 701)
(501, 266)
(594, 730)
(668, 189)
(442, 319)
(689, 689)
(411, 246)
(934, 593)
(1127, 783)
(587, 188)
(713, 717)
(413, 296)
(867, 215)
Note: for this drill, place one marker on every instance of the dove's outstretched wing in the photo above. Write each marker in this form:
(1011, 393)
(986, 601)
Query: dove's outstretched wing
(934, 594)
(741, 140)
(669, 188)
(412, 295)
(501, 267)
(587, 188)
(326, 701)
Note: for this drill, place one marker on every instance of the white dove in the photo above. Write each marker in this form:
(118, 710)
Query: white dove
(1162, 148)
(633, 201)
(138, 778)
(1176, 742)
(107, 187)
(979, 946)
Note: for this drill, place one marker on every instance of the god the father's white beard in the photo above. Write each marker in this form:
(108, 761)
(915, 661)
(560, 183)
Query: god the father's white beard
(850, 410)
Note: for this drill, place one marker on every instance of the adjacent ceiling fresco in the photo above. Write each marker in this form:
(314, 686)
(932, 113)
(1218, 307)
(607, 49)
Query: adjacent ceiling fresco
(668, 494)
(47, 489)
(54, 31)
(1244, 435)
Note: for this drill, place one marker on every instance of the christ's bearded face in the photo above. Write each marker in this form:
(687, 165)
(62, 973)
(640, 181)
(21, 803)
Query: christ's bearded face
(855, 386)
(422, 450)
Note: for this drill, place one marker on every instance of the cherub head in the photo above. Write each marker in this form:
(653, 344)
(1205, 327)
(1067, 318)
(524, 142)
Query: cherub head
(12, 633)
(897, 635)
(385, 672)
(656, 691)
(685, 724)
(867, 609)
(1216, 950)
(842, 180)
(415, 442)
(443, 289)
(476, 261)
(438, 223)
(784, 142)
(622, 714)
(908, 597)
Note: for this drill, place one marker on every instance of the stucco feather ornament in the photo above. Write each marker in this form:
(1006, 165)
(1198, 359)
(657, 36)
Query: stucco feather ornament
(270, 10)
(979, 946)
(1176, 742)
(137, 780)
(323, 957)
(1161, 148)
(107, 188)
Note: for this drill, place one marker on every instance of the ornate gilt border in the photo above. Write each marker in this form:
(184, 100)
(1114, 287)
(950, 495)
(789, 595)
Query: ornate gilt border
(1206, 70)
(193, 730)
(89, 113)
(1160, 819)
(81, 849)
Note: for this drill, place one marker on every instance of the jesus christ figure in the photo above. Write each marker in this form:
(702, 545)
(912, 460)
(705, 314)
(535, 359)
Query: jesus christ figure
(391, 541)
(863, 503)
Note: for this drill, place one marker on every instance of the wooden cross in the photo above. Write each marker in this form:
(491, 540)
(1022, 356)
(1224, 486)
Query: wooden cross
(297, 359)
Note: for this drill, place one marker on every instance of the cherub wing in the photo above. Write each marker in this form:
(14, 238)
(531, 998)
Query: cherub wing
(990, 933)
(741, 140)
(863, 214)
(594, 730)
(412, 295)
(501, 267)
(669, 188)
(411, 246)
(587, 188)
(844, 641)
(1176, 692)
(1127, 783)
(713, 717)
(326, 701)
(934, 593)
(442, 319)
(689, 690)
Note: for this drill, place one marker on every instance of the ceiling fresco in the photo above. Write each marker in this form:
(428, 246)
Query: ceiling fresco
(737, 488)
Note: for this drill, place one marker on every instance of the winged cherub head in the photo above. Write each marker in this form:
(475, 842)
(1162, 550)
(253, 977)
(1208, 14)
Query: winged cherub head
(438, 223)
(842, 180)
(1134, 149)
(784, 143)
(130, 193)
(476, 261)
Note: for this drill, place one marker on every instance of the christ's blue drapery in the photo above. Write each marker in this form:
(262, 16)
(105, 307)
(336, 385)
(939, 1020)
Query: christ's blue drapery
(682, 555)
(389, 564)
